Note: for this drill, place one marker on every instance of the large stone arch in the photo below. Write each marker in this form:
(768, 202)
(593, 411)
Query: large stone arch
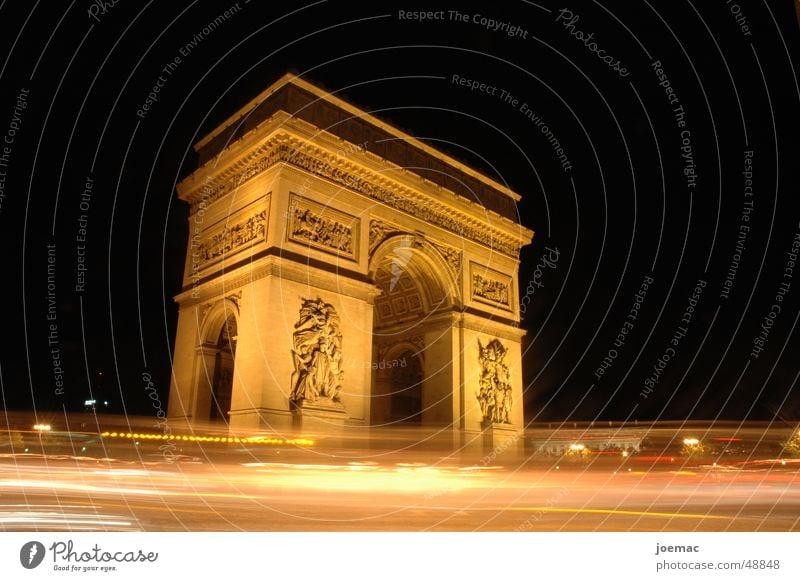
(215, 316)
(411, 253)
(418, 293)
(215, 366)
(315, 201)
(396, 357)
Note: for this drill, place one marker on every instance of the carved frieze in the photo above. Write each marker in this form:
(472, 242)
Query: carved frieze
(491, 287)
(321, 227)
(231, 238)
(346, 176)
(491, 290)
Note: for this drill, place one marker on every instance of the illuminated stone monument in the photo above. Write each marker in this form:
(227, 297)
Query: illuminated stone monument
(341, 273)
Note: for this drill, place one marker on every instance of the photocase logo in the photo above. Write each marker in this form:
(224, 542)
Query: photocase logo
(400, 257)
(31, 554)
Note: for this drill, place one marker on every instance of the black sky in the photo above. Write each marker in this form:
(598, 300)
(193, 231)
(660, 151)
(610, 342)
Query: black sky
(623, 213)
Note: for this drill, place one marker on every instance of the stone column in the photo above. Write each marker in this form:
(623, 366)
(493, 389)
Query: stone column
(206, 360)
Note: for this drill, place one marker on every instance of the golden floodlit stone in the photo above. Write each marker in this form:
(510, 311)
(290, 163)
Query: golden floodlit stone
(341, 273)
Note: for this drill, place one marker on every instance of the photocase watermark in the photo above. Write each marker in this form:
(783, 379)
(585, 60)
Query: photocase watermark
(631, 317)
(507, 97)
(539, 513)
(7, 145)
(492, 24)
(66, 557)
(32, 554)
(400, 257)
(437, 492)
(53, 341)
(544, 129)
(760, 341)
(549, 260)
(680, 332)
(349, 148)
(739, 17)
(486, 460)
(374, 365)
(195, 245)
(100, 8)
(81, 235)
(744, 226)
(167, 449)
(169, 69)
(499, 449)
(568, 19)
(679, 117)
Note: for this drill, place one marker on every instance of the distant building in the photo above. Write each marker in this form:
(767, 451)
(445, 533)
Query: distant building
(593, 440)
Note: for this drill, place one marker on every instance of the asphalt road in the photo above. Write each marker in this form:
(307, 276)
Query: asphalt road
(208, 487)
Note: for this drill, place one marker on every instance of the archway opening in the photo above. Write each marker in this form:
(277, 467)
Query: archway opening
(222, 381)
(412, 380)
(405, 390)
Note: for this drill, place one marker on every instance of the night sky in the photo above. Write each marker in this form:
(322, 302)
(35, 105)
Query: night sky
(661, 283)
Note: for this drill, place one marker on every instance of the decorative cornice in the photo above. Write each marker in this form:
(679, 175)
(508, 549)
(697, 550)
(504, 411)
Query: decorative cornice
(285, 148)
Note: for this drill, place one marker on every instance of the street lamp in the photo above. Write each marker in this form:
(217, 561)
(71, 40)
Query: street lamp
(41, 429)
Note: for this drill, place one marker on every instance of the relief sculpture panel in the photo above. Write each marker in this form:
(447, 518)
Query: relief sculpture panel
(494, 392)
(235, 235)
(491, 287)
(323, 228)
(317, 353)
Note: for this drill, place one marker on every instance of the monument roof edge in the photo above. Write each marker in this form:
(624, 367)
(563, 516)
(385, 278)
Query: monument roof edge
(291, 78)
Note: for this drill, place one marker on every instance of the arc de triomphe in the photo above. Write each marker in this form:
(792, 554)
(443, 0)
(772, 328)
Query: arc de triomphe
(340, 272)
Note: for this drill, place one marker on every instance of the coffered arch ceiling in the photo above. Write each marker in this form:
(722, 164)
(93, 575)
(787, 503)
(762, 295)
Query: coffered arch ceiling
(413, 279)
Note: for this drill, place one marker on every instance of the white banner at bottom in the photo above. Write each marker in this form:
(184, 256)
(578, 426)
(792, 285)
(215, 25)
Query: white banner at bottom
(400, 556)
